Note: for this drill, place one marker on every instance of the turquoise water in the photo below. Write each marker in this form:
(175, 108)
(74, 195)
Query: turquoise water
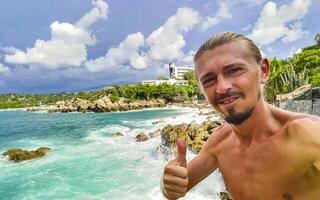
(87, 161)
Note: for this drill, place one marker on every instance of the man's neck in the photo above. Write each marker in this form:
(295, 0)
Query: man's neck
(258, 127)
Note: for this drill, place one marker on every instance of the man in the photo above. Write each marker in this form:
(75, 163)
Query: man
(263, 152)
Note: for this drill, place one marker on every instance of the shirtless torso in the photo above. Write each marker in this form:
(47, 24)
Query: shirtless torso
(279, 167)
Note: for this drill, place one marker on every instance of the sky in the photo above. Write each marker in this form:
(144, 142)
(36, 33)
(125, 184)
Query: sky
(70, 45)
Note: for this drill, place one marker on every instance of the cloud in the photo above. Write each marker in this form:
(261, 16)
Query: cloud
(67, 46)
(167, 41)
(10, 50)
(187, 60)
(100, 10)
(222, 13)
(3, 68)
(279, 23)
(161, 46)
(127, 53)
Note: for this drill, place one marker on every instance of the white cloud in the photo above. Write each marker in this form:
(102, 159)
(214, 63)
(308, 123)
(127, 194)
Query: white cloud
(222, 13)
(162, 46)
(167, 41)
(279, 23)
(187, 60)
(100, 10)
(3, 68)
(10, 50)
(247, 27)
(294, 51)
(67, 46)
(125, 54)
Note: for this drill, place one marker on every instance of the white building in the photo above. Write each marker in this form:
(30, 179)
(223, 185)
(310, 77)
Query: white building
(177, 72)
(169, 82)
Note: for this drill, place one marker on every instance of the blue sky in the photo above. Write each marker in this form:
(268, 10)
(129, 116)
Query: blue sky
(66, 45)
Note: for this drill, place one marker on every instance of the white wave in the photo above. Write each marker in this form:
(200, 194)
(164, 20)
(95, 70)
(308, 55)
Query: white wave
(13, 109)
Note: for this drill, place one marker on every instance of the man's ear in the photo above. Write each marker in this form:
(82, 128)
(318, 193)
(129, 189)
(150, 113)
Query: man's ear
(264, 71)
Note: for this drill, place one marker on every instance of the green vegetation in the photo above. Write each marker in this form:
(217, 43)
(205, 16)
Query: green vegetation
(288, 74)
(162, 77)
(132, 92)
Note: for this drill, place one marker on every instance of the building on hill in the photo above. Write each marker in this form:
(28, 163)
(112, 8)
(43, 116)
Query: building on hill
(177, 72)
(169, 82)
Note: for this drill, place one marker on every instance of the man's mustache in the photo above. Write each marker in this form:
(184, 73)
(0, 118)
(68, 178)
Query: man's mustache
(229, 93)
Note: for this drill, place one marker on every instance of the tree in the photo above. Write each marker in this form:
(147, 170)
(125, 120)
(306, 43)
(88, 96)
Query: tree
(190, 77)
(162, 77)
(317, 38)
(308, 59)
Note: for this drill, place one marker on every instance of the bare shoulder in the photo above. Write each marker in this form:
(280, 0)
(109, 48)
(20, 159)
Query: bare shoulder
(296, 124)
(303, 125)
(304, 131)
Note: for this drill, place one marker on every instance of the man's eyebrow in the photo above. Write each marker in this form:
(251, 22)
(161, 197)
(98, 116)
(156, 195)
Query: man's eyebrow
(231, 65)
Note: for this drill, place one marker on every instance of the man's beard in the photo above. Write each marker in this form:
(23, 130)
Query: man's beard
(237, 118)
(232, 116)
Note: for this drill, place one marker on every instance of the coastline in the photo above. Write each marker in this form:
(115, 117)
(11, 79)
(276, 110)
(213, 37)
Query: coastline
(105, 105)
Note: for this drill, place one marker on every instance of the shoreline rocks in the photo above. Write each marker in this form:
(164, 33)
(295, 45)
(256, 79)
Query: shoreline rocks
(104, 104)
(194, 134)
(141, 137)
(18, 155)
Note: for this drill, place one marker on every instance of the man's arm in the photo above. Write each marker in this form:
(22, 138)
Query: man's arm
(179, 178)
(201, 166)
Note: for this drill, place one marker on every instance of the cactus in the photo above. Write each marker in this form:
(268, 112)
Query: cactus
(292, 80)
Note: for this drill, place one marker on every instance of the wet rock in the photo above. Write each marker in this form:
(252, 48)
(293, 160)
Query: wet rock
(159, 122)
(18, 155)
(194, 134)
(141, 137)
(155, 133)
(117, 134)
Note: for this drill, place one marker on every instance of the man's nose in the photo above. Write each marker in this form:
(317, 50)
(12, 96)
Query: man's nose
(223, 85)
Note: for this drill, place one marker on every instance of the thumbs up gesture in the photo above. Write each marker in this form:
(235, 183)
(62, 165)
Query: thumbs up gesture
(175, 176)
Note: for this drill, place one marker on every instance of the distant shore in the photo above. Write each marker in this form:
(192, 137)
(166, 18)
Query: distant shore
(104, 104)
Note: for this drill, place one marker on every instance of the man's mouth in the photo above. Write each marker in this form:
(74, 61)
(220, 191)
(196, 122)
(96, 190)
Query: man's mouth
(228, 100)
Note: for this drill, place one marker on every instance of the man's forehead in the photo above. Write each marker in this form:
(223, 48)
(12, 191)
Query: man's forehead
(226, 53)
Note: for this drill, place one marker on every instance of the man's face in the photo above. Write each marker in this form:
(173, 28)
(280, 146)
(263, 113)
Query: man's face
(230, 79)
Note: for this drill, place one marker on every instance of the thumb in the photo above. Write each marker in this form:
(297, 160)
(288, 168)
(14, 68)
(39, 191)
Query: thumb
(181, 154)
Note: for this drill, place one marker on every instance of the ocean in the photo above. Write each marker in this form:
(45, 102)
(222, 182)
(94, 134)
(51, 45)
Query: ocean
(86, 160)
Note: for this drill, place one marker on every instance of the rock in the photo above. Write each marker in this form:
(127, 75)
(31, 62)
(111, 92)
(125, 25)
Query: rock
(141, 137)
(155, 133)
(301, 93)
(100, 106)
(117, 134)
(158, 122)
(18, 155)
(81, 105)
(104, 104)
(194, 134)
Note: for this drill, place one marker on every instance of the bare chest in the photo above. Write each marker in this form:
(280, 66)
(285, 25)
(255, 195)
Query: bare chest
(262, 172)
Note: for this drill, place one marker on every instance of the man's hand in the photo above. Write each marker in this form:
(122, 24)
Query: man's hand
(175, 177)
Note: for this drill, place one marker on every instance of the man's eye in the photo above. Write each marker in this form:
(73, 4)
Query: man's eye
(208, 80)
(234, 70)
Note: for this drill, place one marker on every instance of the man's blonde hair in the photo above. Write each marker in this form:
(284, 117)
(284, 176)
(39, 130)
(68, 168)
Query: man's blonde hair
(226, 37)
